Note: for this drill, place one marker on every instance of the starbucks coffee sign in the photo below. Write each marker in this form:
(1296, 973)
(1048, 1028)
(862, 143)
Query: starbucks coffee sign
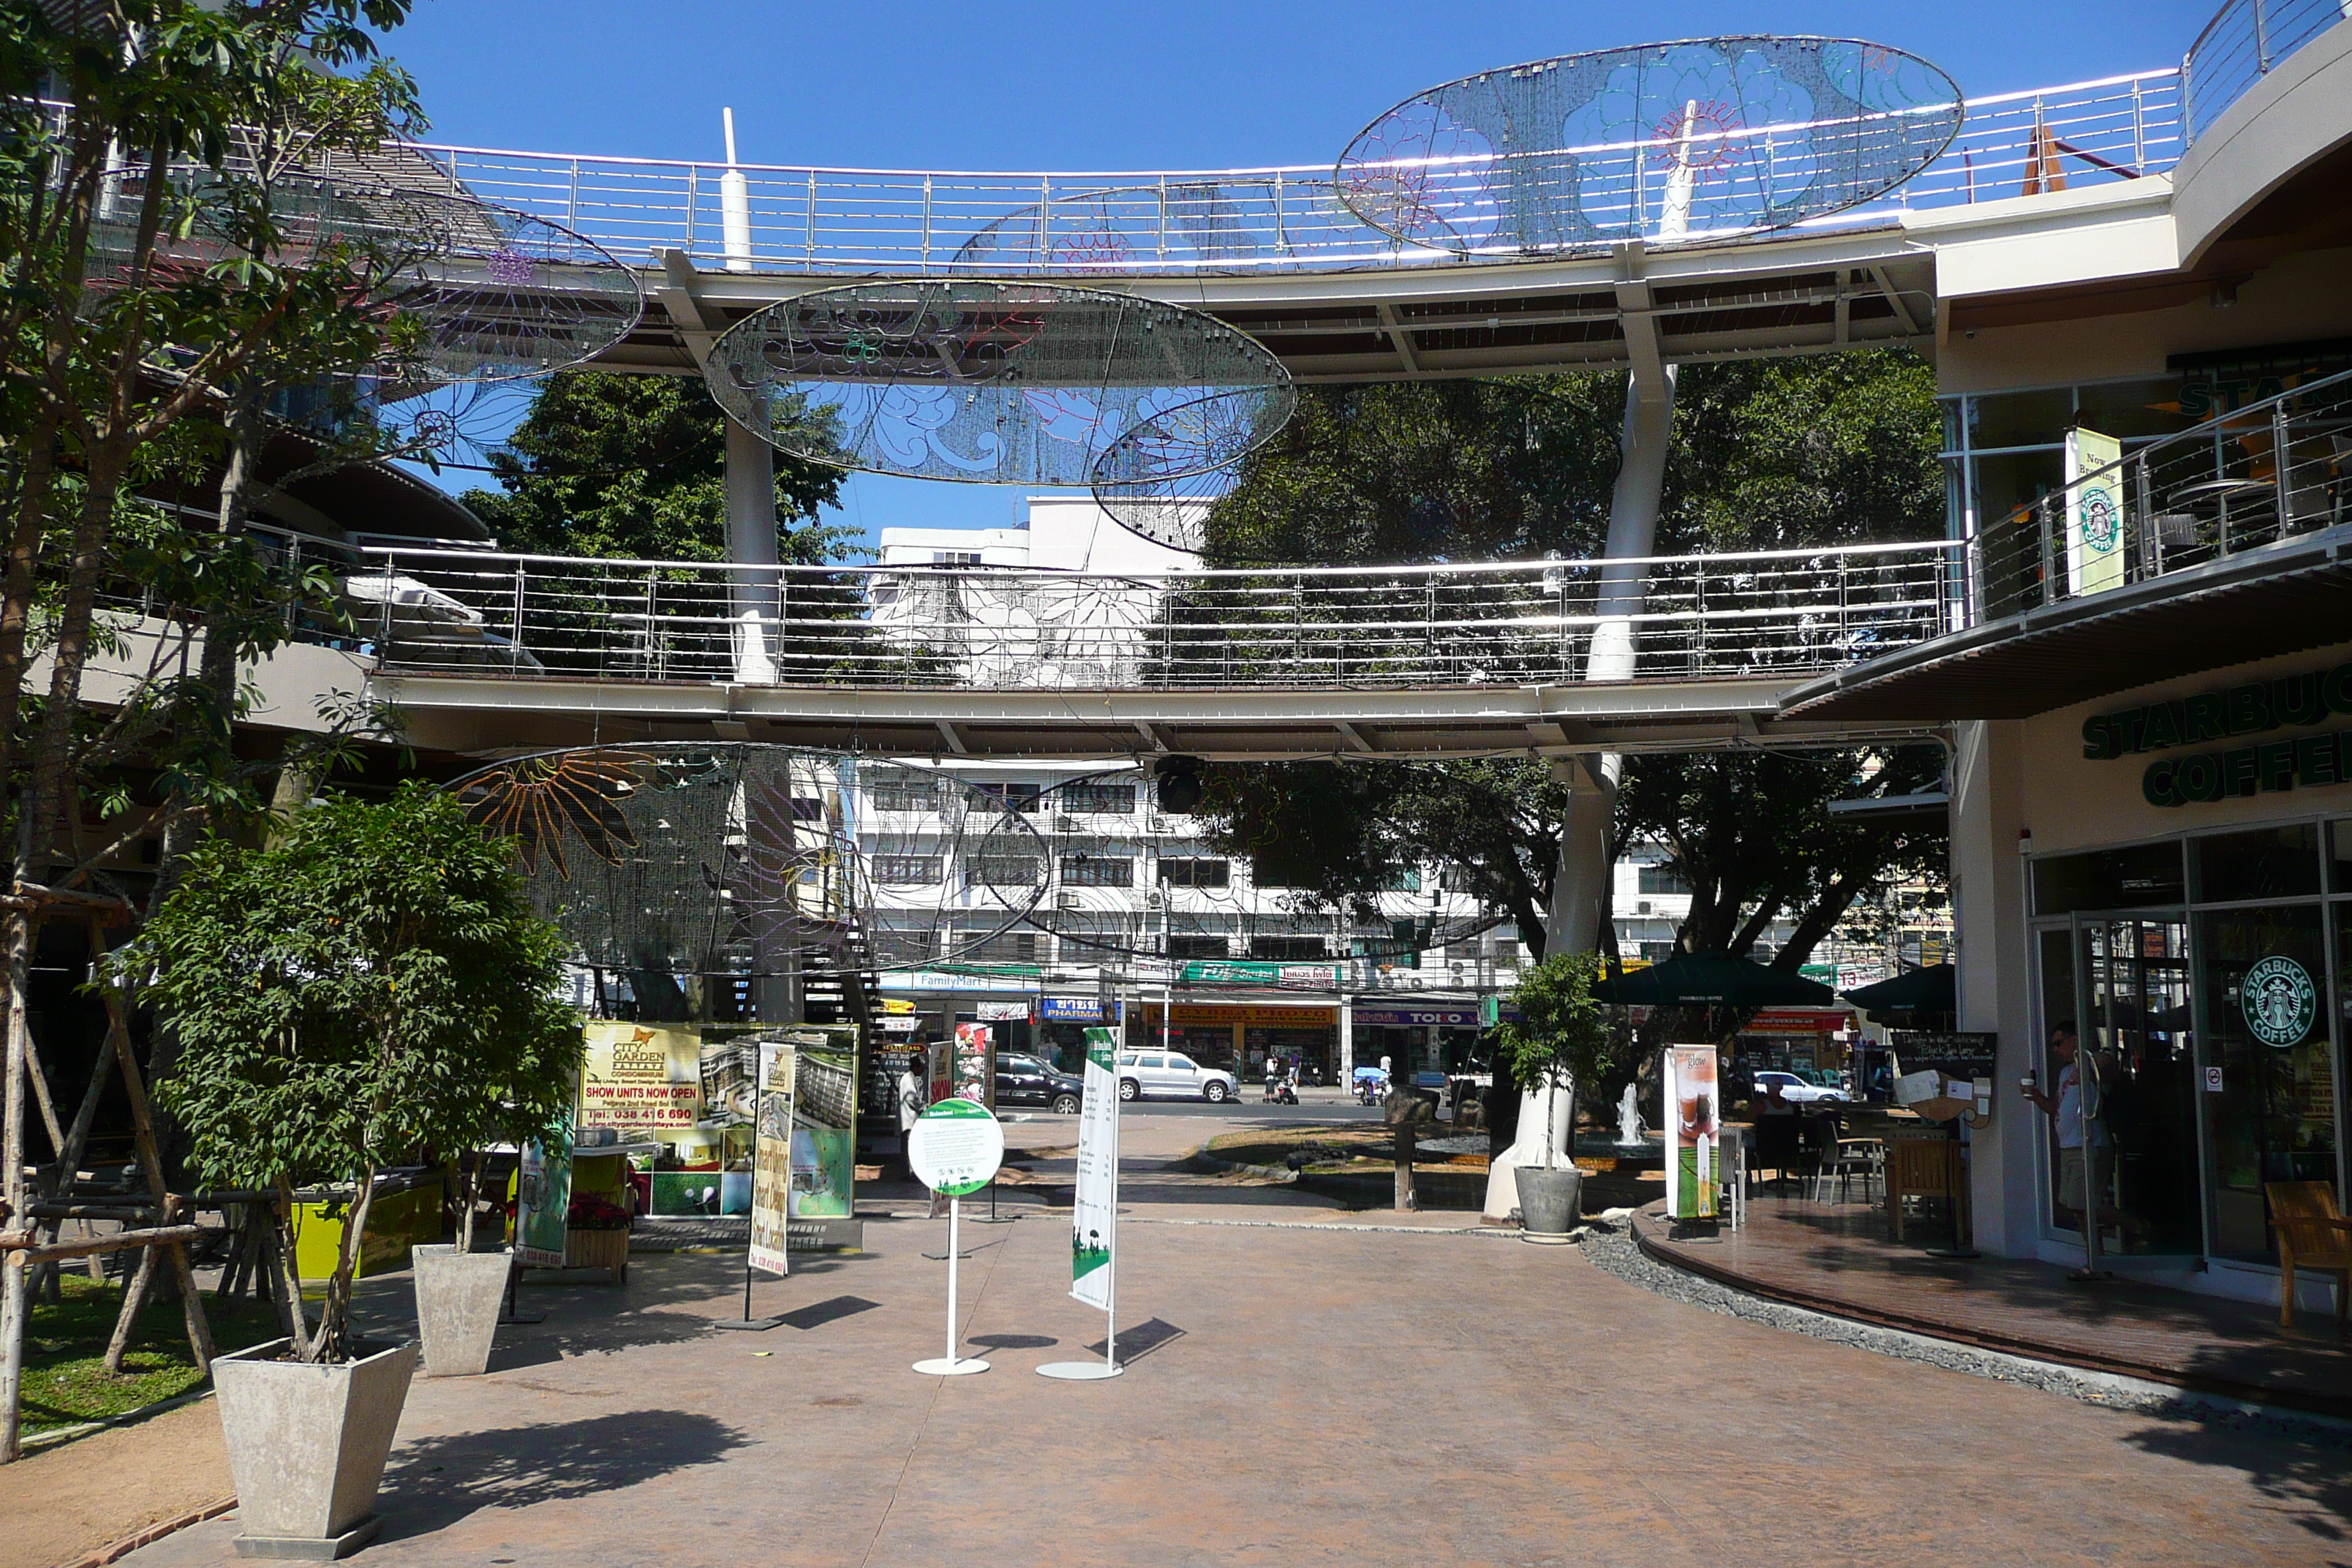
(2280, 1001)
(2253, 715)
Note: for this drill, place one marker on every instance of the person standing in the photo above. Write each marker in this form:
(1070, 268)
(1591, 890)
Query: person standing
(2082, 1136)
(913, 1097)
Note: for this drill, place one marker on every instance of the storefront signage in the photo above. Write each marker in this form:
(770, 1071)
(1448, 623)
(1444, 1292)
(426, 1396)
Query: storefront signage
(1424, 1017)
(2279, 1000)
(1003, 1012)
(1795, 1021)
(1290, 976)
(1074, 1009)
(943, 980)
(1969, 1055)
(2259, 707)
(1212, 1014)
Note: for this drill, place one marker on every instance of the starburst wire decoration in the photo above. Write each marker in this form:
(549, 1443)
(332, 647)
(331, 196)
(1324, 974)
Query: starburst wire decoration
(541, 801)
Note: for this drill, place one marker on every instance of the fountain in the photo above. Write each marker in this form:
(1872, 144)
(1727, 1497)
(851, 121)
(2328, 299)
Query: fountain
(1628, 1121)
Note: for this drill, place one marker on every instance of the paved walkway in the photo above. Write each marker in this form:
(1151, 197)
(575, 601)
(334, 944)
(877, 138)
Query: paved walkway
(1297, 1394)
(1837, 1258)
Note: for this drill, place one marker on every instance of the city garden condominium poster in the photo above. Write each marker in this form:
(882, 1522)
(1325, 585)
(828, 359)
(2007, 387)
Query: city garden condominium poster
(1094, 1216)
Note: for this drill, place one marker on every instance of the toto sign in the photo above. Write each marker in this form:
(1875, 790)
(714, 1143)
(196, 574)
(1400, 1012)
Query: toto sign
(2279, 1001)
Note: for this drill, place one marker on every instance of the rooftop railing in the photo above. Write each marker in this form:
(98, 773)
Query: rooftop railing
(1764, 614)
(858, 222)
(2244, 42)
(2246, 480)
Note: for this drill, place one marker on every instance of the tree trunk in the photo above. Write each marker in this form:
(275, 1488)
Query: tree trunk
(1407, 1201)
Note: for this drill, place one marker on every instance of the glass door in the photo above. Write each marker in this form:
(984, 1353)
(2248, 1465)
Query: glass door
(2135, 988)
(2270, 1105)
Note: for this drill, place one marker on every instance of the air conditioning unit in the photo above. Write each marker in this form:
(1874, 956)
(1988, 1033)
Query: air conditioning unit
(1155, 825)
(1642, 908)
(1065, 901)
(1155, 899)
(1065, 824)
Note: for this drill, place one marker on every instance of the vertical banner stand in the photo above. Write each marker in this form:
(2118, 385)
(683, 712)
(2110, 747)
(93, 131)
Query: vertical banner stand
(1096, 1371)
(955, 1148)
(772, 1143)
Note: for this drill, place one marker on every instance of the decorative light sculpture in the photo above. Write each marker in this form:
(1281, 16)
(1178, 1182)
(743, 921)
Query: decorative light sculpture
(984, 382)
(1707, 139)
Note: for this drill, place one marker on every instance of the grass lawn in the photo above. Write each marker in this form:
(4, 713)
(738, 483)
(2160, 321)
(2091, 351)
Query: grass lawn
(66, 1380)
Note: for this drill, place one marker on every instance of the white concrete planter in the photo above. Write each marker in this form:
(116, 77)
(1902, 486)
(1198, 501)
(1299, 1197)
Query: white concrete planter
(457, 1296)
(307, 1447)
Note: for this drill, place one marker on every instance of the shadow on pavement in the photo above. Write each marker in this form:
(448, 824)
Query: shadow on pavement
(1141, 1340)
(1012, 1341)
(816, 1314)
(434, 1483)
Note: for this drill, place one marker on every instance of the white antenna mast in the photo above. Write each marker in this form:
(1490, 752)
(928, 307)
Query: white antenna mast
(735, 204)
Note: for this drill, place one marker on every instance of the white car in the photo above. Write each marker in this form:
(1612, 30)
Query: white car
(1795, 1091)
(1160, 1074)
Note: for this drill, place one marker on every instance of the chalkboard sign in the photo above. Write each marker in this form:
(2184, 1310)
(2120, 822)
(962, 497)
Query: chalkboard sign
(1967, 1055)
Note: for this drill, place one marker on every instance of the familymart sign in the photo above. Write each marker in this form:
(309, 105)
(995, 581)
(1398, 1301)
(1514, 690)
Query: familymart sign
(2253, 715)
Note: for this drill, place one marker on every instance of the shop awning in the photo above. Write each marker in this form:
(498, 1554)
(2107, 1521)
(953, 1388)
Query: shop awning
(1929, 990)
(1712, 977)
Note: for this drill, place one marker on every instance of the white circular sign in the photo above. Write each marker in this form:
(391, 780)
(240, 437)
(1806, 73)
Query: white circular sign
(955, 1147)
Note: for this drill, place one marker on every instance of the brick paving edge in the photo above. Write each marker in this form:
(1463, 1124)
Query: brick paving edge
(1615, 1246)
(116, 1550)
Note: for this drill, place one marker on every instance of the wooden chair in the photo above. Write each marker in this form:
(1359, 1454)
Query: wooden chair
(2311, 1237)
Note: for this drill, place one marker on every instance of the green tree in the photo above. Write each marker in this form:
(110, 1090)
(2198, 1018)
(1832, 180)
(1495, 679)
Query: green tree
(1562, 1033)
(1766, 454)
(634, 467)
(373, 986)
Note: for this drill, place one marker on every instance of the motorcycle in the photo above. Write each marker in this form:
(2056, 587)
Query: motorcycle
(1281, 1091)
(1371, 1085)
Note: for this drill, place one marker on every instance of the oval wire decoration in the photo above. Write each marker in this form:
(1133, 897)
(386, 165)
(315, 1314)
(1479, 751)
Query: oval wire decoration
(984, 382)
(1707, 139)
(497, 295)
(1161, 478)
(676, 859)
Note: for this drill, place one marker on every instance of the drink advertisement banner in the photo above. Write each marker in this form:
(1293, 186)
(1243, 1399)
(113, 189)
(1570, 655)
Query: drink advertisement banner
(975, 1061)
(1094, 1217)
(543, 1203)
(825, 1119)
(772, 1156)
(640, 1077)
(1694, 1129)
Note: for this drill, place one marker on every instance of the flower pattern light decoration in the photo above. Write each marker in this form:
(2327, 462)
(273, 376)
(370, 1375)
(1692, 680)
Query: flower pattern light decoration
(984, 382)
(1703, 140)
(543, 801)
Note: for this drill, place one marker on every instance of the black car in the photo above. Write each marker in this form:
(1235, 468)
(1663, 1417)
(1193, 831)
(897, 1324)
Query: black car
(1025, 1080)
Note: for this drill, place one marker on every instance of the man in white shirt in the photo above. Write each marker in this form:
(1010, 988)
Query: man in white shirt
(2079, 1137)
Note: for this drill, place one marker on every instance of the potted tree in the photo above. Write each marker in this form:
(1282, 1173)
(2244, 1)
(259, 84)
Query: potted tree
(371, 983)
(1562, 1042)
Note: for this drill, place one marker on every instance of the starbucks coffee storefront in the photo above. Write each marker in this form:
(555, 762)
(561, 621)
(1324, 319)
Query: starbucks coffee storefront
(2170, 869)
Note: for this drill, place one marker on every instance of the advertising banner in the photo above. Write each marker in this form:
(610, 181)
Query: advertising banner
(1464, 1017)
(975, 1064)
(825, 1119)
(2094, 513)
(1078, 1010)
(543, 1203)
(1002, 1012)
(1693, 1125)
(772, 1156)
(642, 1077)
(1286, 976)
(1094, 1217)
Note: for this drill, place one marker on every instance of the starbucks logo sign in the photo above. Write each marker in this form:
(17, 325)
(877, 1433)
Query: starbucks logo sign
(2101, 523)
(2280, 1001)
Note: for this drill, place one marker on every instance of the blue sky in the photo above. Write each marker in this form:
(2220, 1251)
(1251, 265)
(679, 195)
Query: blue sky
(1206, 84)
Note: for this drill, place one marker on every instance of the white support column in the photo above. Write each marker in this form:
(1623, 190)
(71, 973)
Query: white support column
(755, 600)
(1995, 966)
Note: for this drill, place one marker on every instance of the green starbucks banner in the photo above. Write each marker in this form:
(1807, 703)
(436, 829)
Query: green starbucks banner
(2095, 512)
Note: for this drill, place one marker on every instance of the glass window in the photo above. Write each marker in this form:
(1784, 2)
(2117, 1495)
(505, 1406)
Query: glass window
(906, 871)
(2020, 419)
(1658, 877)
(1181, 1063)
(1198, 947)
(2270, 863)
(2269, 1029)
(1095, 799)
(1185, 873)
(1155, 1061)
(2340, 857)
(1086, 871)
(2147, 876)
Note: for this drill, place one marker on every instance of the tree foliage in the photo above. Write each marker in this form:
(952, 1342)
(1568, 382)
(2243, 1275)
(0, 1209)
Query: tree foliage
(1766, 454)
(373, 986)
(634, 467)
(1561, 1031)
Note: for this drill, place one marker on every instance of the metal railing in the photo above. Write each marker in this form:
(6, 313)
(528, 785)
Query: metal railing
(2243, 42)
(1774, 612)
(2252, 477)
(858, 222)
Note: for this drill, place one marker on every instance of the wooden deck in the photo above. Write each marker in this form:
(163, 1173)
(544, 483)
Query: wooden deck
(1837, 1259)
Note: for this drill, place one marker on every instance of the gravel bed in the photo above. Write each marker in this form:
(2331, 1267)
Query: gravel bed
(1608, 1243)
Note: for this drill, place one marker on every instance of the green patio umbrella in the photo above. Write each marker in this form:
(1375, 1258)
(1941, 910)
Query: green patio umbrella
(1713, 977)
(1929, 990)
